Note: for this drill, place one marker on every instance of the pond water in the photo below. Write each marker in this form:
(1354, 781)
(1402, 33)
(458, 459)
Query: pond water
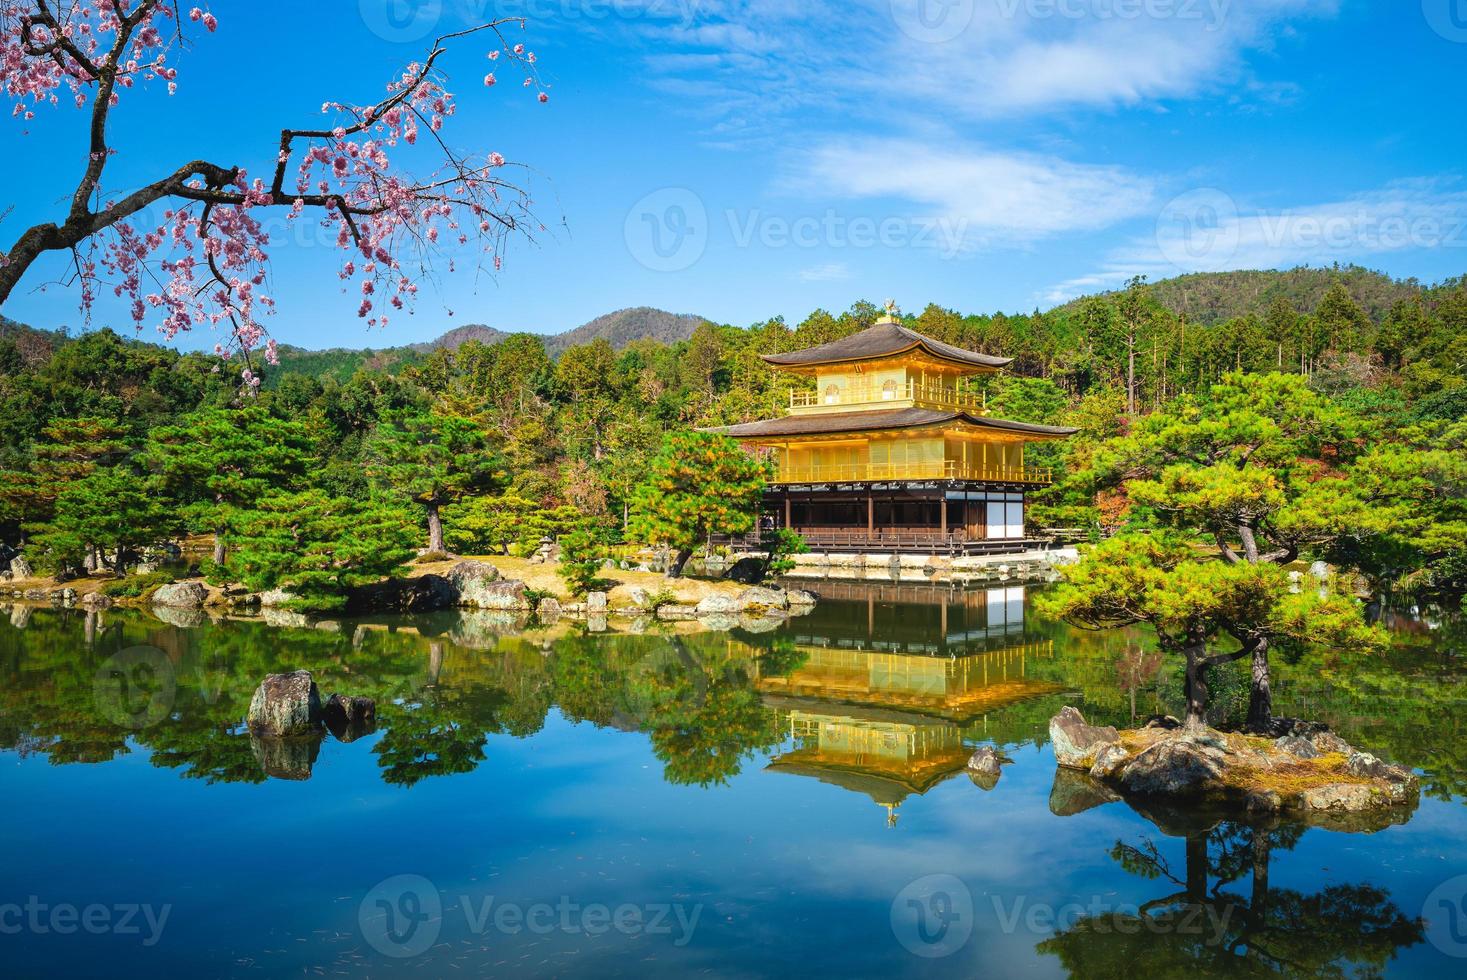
(552, 802)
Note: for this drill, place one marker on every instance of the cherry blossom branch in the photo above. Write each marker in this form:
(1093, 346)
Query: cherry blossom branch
(211, 247)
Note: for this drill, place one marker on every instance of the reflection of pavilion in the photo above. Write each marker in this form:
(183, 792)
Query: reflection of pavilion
(881, 699)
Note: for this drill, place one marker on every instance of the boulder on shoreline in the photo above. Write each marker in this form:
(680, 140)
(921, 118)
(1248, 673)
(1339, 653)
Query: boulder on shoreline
(1307, 770)
(180, 595)
(1076, 743)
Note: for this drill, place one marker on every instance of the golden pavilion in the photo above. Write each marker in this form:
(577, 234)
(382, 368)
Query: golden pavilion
(890, 453)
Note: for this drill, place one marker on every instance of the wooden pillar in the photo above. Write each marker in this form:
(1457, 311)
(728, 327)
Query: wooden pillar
(942, 510)
(870, 515)
(787, 508)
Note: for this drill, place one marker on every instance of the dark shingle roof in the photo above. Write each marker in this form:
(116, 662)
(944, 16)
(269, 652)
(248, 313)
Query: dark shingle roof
(866, 421)
(882, 340)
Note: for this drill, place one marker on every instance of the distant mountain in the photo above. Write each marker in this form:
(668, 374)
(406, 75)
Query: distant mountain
(620, 328)
(625, 326)
(1212, 297)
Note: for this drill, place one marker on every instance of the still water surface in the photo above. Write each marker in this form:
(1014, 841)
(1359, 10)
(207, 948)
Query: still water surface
(757, 802)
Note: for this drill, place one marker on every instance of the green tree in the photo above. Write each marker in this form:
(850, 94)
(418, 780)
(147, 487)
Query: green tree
(486, 524)
(108, 512)
(698, 485)
(581, 553)
(319, 547)
(1243, 468)
(1192, 603)
(219, 460)
(432, 460)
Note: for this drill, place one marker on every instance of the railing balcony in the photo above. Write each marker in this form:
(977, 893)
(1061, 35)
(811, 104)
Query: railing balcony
(914, 392)
(935, 470)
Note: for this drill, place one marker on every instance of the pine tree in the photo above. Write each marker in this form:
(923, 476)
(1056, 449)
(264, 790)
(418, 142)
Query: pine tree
(219, 460)
(698, 485)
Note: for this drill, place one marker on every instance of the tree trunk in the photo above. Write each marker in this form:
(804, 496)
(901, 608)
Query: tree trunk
(1195, 689)
(219, 546)
(1260, 696)
(435, 529)
(675, 567)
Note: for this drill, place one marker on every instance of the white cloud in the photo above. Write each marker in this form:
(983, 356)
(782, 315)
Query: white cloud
(1207, 230)
(981, 196)
(829, 272)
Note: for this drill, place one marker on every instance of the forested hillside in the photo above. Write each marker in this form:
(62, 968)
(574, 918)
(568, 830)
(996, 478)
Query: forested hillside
(578, 430)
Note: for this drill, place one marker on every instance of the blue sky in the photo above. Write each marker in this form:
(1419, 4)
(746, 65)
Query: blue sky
(742, 159)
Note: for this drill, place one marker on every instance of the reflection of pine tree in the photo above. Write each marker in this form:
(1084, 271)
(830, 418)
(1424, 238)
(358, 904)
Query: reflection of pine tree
(1205, 929)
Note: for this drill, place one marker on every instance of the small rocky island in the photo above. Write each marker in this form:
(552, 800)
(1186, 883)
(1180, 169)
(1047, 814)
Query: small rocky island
(1306, 770)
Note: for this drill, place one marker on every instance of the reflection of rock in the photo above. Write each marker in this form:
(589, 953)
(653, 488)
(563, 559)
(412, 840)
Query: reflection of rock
(983, 767)
(286, 758)
(673, 612)
(480, 629)
(20, 615)
(286, 705)
(719, 622)
(548, 611)
(1075, 792)
(596, 622)
(760, 624)
(1076, 743)
(285, 618)
(182, 618)
(183, 595)
(348, 717)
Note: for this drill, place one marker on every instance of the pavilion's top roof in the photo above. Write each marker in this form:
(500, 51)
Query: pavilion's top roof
(866, 421)
(885, 338)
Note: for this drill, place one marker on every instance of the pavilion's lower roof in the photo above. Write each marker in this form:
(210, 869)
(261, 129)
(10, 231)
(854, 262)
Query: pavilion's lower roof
(869, 421)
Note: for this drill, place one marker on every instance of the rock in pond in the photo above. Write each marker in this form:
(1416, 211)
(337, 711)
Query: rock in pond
(286, 706)
(548, 610)
(595, 603)
(760, 597)
(349, 717)
(718, 605)
(181, 595)
(20, 568)
(986, 762)
(1173, 767)
(1076, 743)
(508, 595)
